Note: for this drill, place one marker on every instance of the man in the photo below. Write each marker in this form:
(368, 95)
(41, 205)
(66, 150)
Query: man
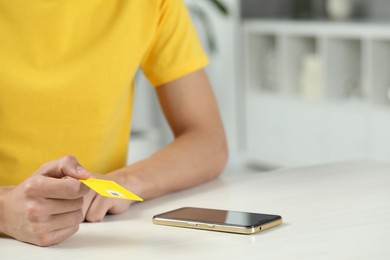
(66, 74)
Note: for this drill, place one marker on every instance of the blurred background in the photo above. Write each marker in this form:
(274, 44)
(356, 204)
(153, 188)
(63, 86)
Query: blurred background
(297, 81)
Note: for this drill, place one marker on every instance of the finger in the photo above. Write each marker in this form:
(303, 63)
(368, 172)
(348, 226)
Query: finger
(52, 188)
(62, 226)
(65, 166)
(88, 198)
(57, 236)
(98, 209)
(65, 220)
(119, 207)
(60, 206)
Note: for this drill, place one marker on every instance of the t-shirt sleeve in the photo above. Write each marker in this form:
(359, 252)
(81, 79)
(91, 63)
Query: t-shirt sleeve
(175, 49)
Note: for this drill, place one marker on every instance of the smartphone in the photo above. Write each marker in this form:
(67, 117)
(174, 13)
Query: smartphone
(218, 220)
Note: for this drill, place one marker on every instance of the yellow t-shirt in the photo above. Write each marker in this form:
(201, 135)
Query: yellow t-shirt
(66, 76)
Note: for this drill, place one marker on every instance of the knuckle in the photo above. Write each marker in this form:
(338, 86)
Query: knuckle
(68, 159)
(67, 162)
(33, 211)
(42, 236)
(43, 241)
(30, 187)
(45, 166)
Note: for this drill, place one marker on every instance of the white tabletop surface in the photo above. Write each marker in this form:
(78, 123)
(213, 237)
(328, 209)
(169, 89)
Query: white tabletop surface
(335, 211)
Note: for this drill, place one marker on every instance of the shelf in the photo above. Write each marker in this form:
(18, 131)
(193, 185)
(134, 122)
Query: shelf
(319, 28)
(316, 92)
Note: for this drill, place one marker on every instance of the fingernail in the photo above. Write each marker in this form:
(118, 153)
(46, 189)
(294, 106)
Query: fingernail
(80, 170)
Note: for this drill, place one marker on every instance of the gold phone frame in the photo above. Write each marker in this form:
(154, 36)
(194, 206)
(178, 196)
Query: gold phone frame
(216, 227)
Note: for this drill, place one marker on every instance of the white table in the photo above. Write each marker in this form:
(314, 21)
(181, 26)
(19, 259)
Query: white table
(336, 211)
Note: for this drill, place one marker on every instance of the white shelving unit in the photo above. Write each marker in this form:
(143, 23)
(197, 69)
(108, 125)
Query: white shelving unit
(316, 92)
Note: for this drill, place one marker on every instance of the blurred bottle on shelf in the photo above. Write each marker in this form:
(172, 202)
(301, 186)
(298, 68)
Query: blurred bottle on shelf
(339, 10)
(310, 81)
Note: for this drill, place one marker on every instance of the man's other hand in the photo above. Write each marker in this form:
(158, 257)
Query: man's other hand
(47, 207)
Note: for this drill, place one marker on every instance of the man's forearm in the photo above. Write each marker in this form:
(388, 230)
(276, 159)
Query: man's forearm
(3, 190)
(199, 150)
(192, 158)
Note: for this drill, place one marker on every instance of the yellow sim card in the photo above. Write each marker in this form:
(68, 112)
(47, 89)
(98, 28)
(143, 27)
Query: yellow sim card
(110, 189)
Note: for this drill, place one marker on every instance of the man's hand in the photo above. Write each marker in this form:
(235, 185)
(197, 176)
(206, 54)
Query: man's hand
(47, 207)
(96, 207)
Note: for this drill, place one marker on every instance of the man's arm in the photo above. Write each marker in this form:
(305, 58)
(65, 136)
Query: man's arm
(197, 154)
(199, 151)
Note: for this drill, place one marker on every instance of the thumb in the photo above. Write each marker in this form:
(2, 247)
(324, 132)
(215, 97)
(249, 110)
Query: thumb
(65, 166)
(81, 173)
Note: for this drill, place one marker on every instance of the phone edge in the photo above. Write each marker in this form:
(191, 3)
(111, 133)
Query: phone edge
(215, 227)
